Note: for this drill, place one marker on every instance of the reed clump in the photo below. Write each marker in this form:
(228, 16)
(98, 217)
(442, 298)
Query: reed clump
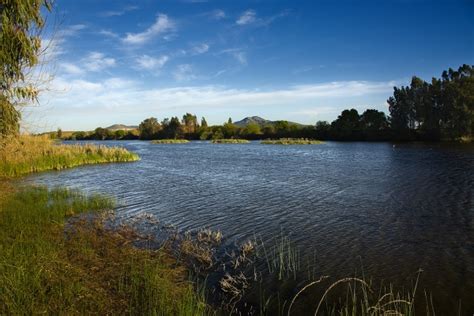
(291, 141)
(230, 141)
(170, 141)
(56, 259)
(26, 154)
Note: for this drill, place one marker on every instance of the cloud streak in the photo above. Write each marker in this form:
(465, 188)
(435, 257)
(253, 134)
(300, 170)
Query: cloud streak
(163, 24)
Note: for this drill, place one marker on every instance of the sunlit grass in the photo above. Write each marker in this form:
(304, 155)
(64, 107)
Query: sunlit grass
(291, 141)
(27, 154)
(230, 141)
(170, 141)
(49, 266)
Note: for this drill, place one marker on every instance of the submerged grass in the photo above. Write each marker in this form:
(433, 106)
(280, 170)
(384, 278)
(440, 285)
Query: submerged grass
(230, 141)
(170, 141)
(49, 265)
(26, 154)
(291, 141)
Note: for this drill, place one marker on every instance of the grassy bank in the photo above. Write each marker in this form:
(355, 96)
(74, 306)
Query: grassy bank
(170, 141)
(230, 141)
(27, 154)
(48, 266)
(291, 141)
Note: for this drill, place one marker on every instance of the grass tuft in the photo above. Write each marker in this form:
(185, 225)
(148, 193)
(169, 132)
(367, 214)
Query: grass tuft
(170, 141)
(27, 154)
(291, 141)
(230, 141)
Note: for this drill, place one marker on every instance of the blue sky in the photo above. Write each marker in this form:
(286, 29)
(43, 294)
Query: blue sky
(123, 61)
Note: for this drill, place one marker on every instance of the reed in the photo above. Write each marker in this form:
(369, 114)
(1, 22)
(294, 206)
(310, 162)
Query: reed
(230, 141)
(291, 141)
(53, 260)
(170, 141)
(26, 154)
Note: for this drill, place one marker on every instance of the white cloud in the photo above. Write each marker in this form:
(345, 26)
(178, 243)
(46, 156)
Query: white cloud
(96, 61)
(247, 17)
(241, 57)
(150, 63)
(108, 34)
(184, 72)
(71, 30)
(71, 69)
(162, 25)
(200, 49)
(119, 12)
(218, 14)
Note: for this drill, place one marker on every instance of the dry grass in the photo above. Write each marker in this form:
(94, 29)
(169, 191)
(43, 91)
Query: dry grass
(230, 141)
(27, 154)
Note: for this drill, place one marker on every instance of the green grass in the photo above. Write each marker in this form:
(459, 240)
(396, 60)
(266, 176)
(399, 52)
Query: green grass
(230, 141)
(170, 141)
(48, 266)
(291, 141)
(27, 154)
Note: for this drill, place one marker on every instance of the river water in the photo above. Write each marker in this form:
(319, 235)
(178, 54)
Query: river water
(386, 209)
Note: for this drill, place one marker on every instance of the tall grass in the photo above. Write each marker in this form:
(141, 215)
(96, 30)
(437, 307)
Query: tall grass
(27, 154)
(49, 265)
(230, 141)
(170, 141)
(291, 141)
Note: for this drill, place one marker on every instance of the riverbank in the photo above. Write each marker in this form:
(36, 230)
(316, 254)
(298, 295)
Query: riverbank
(27, 154)
(55, 260)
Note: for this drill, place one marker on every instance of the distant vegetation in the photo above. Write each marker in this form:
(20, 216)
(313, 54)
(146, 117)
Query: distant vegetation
(291, 141)
(230, 141)
(25, 154)
(440, 110)
(170, 141)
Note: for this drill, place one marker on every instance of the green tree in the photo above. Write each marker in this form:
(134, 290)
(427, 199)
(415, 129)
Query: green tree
(59, 133)
(252, 131)
(374, 124)
(347, 126)
(172, 128)
(190, 124)
(229, 129)
(149, 128)
(20, 24)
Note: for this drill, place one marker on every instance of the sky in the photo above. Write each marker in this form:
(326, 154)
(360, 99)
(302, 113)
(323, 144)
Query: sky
(121, 61)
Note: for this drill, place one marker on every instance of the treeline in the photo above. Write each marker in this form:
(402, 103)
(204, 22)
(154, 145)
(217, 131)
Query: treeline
(440, 110)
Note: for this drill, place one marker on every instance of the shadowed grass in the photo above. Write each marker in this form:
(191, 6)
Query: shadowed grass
(170, 141)
(27, 154)
(230, 141)
(50, 266)
(291, 141)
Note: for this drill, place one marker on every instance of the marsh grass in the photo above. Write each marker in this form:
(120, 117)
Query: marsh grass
(230, 141)
(291, 141)
(170, 141)
(26, 154)
(52, 265)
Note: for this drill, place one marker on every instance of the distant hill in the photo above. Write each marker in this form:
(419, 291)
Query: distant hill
(258, 120)
(117, 127)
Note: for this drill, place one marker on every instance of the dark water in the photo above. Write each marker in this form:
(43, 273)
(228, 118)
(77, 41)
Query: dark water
(389, 209)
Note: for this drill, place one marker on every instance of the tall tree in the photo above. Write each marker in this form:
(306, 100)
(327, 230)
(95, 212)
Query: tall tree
(347, 125)
(20, 25)
(149, 128)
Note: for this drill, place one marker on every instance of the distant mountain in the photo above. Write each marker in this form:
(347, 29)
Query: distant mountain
(258, 120)
(117, 127)
(253, 119)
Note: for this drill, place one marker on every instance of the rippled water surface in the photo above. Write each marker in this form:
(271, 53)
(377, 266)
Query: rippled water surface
(391, 209)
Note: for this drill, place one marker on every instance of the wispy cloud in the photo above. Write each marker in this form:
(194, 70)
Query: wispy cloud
(71, 30)
(70, 68)
(96, 61)
(200, 49)
(218, 14)
(163, 24)
(119, 12)
(108, 34)
(237, 53)
(184, 72)
(248, 17)
(151, 63)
